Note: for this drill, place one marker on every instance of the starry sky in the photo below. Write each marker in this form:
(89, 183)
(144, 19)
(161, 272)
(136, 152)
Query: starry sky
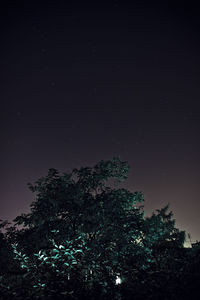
(82, 82)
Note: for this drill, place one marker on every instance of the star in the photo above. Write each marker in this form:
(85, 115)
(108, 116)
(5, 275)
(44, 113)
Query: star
(53, 84)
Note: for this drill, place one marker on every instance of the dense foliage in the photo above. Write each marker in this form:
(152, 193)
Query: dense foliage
(81, 235)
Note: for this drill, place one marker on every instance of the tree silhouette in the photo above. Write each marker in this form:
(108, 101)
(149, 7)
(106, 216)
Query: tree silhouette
(81, 235)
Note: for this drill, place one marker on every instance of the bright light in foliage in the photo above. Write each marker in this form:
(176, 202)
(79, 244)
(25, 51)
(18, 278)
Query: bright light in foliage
(118, 280)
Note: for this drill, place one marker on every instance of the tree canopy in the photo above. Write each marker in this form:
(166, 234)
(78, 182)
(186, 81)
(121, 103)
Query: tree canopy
(81, 234)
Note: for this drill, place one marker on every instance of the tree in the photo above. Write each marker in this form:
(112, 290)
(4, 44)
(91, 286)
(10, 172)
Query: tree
(114, 237)
(6, 254)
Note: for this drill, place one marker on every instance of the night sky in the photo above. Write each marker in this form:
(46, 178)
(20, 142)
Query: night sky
(86, 82)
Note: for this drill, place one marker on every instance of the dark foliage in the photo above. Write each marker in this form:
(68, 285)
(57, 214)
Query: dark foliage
(81, 235)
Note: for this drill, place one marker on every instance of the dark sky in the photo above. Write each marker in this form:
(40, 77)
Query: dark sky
(86, 82)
